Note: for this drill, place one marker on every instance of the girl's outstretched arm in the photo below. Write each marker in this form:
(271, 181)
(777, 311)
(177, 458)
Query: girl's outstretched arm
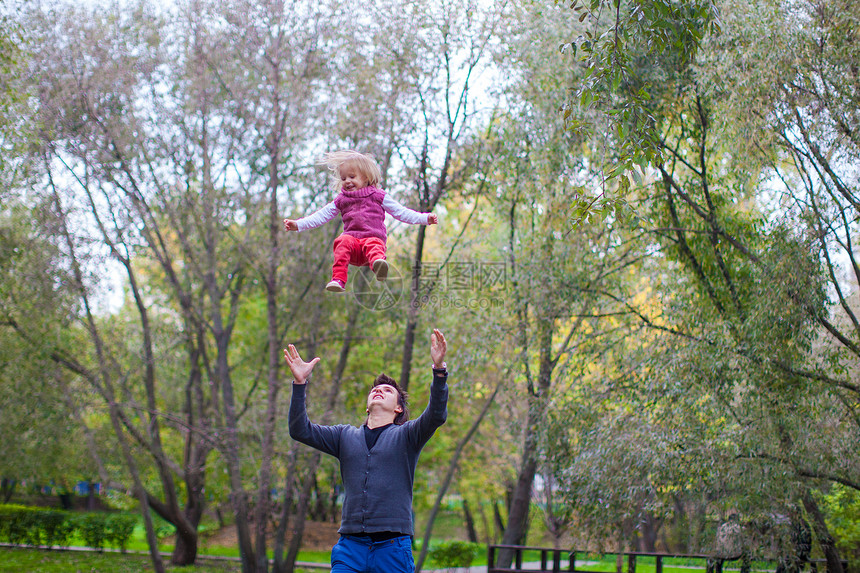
(318, 219)
(406, 214)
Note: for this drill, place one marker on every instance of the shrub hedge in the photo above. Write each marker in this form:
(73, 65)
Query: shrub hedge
(454, 553)
(21, 525)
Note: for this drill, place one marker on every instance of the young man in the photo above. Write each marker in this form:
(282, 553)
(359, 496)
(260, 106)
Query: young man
(377, 464)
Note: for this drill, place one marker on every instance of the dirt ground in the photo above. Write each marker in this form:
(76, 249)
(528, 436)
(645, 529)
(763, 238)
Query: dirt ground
(318, 536)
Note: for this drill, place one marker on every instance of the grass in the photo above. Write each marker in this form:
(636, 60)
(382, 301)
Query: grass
(54, 561)
(16, 560)
(138, 543)
(43, 561)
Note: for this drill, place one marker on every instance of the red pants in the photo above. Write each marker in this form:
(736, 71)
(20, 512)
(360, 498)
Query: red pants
(357, 252)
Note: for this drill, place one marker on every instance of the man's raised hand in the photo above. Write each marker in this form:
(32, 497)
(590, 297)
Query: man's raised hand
(438, 348)
(301, 370)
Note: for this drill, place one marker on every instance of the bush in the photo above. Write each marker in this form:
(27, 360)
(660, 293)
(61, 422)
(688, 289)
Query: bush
(36, 526)
(455, 553)
(162, 527)
(92, 527)
(20, 524)
(120, 526)
(57, 527)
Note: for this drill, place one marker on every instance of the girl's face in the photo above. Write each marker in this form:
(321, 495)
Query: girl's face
(351, 177)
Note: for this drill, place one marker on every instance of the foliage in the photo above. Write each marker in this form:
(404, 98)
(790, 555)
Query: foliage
(20, 524)
(41, 526)
(734, 353)
(120, 527)
(671, 345)
(454, 553)
(93, 528)
(619, 39)
(843, 518)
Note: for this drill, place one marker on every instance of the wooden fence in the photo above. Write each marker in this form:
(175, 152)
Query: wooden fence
(559, 560)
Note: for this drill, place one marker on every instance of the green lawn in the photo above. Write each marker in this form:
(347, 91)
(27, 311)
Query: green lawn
(15, 560)
(138, 543)
(42, 561)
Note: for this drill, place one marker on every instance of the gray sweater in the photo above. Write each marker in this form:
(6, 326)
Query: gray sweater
(377, 483)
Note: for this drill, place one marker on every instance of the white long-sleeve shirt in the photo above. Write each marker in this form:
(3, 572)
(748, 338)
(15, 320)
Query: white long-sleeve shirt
(363, 213)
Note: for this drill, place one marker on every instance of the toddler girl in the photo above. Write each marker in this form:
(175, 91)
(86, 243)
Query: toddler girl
(362, 206)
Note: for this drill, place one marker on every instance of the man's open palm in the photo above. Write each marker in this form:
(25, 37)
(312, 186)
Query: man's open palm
(438, 347)
(301, 370)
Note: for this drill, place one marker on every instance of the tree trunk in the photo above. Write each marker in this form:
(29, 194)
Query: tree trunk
(238, 497)
(271, 282)
(470, 522)
(280, 565)
(187, 537)
(452, 467)
(488, 536)
(427, 201)
(185, 548)
(498, 520)
(91, 496)
(649, 530)
(537, 397)
(301, 513)
(828, 545)
(412, 311)
(170, 508)
(521, 502)
(104, 385)
(8, 488)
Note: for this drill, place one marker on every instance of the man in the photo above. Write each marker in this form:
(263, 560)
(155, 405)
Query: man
(377, 464)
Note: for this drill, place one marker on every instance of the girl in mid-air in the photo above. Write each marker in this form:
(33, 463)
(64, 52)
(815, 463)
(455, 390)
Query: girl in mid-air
(362, 206)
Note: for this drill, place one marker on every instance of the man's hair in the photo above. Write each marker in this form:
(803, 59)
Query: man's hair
(365, 163)
(402, 397)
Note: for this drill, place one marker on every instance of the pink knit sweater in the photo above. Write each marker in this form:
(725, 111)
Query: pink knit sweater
(362, 212)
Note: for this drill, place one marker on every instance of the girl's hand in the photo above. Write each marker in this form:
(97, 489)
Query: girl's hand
(300, 369)
(438, 348)
(290, 225)
(432, 219)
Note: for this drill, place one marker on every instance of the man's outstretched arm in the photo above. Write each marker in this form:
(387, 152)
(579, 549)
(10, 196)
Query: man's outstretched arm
(324, 438)
(437, 410)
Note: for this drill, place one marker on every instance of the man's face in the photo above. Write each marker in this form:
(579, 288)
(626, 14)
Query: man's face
(385, 398)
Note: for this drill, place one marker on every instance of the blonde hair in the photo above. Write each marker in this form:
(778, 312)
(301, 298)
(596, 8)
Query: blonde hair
(335, 160)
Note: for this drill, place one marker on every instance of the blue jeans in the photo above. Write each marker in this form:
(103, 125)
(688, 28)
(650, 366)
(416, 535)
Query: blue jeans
(357, 554)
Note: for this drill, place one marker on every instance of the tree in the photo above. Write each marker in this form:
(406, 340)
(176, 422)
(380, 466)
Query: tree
(748, 317)
(34, 387)
(612, 42)
(166, 211)
(282, 50)
(14, 133)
